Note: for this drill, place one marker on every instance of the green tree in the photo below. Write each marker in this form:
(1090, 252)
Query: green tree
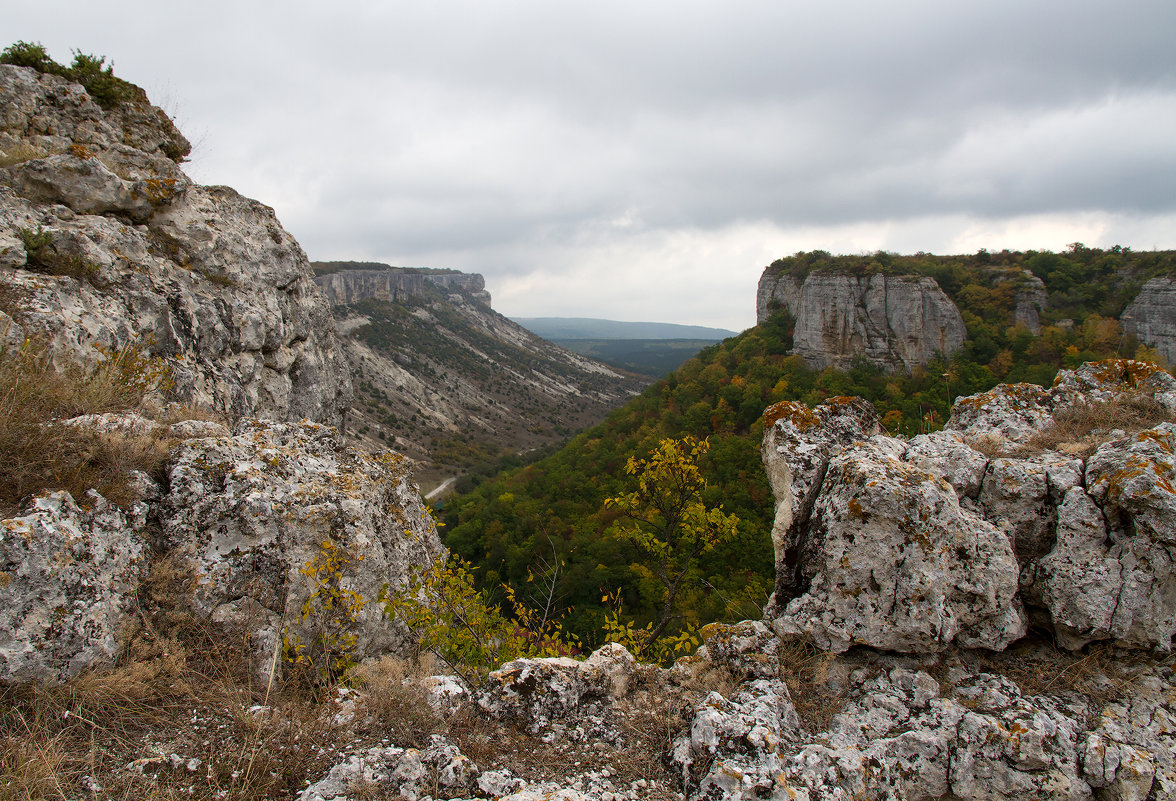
(667, 518)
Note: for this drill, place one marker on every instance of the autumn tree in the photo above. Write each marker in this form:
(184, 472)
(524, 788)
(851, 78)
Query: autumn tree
(667, 518)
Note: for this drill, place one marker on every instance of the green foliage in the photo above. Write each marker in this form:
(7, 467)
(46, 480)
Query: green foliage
(43, 256)
(90, 71)
(667, 519)
(101, 83)
(331, 611)
(720, 396)
(643, 642)
(450, 617)
(31, 54)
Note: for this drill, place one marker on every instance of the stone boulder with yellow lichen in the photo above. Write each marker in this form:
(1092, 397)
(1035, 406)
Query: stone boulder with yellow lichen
(275, 512)
(968, 536)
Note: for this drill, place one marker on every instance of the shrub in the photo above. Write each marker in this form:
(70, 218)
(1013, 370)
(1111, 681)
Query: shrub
(455, 621)
(90, 71)
(31, 54)
(331, 611)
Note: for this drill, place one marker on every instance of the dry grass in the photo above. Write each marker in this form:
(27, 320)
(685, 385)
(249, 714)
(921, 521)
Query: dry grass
(19, 152)
(178, 717)
(1039, 668)
(804, 668)
(1078, 430)
(38, 452)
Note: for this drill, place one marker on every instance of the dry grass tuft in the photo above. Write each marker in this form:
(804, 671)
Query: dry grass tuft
(20, 152)
(1079, 429)
(41, 453)
(179, 716)
(804, 668)
(1040, 668)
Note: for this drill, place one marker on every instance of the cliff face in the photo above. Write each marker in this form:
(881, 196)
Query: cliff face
(104, 242)
(894, 320)
(450, 382)
(393, 284)
(1152, 316)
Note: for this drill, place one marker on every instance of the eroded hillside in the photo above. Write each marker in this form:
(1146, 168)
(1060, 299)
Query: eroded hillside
(443, 378)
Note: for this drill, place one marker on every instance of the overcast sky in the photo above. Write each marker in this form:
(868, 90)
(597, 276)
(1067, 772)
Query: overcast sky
(646, 160)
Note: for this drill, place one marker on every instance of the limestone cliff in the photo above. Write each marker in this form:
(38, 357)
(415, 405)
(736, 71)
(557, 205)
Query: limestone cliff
(899, 321)
(104, 242)
(345, 287)
(449, 382)
(1152, 316)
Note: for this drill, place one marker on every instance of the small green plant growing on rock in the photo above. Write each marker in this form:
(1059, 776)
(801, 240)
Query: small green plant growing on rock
(332, 611)
(43, 256)
(92, 72)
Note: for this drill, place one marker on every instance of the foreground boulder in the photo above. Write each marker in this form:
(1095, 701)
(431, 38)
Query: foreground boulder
(277, 512)
(261, 519)
(68, 576)
(923, 544)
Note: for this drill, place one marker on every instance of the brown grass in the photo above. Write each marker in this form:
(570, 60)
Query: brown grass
(39, 453)
(1078, 430)
(179, 689)
(1097, 673)
(19, 152)
(804, 668)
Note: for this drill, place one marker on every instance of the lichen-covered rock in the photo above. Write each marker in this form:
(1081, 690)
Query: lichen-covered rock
(1025, 493)
(798, 442)
(438, 770)
(1010, 412)
(945, 453)
(893, 561)
(1134, 481)
(1092, 540)
(68, 573)
(543, 694)
(1112, 378)
(107, 243)
(749, 649)
(735, 741)
(260, 514)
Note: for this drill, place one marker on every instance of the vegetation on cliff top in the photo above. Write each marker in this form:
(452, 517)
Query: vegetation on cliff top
(558, 502)
(92, 72)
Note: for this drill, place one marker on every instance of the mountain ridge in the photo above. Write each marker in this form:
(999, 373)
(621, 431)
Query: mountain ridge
(556, 328)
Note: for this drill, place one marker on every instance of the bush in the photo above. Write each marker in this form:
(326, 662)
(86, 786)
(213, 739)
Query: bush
(90, 71)
(31, 54)
(453, 620)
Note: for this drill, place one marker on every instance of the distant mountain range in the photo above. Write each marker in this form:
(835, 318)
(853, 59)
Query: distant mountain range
(563, 328)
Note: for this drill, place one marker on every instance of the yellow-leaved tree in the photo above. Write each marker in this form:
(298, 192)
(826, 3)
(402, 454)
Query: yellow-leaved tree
(667, 518)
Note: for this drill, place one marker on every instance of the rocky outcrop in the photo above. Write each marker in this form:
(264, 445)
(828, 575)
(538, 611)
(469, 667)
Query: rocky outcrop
(264, 518)
(345, 287)
(898, 321)
(277, 512)
(68, 575)
(1152, 316)
(1029, 302)
(104, 243)
(916, 546)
